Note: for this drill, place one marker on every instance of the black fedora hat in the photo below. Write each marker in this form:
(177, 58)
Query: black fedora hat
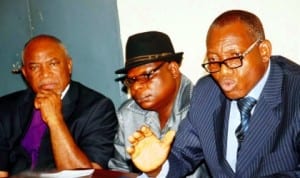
(147, 47)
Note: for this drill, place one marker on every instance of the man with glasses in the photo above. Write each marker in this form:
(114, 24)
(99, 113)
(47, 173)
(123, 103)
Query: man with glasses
(244, 119)
(160, 94)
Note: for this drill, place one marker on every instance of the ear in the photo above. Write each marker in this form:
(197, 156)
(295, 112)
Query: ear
(70, 65)
(174, 69)
(265, 50)
(23, 71)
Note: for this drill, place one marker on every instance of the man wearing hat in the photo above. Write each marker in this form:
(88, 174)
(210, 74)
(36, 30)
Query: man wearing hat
(160, 94)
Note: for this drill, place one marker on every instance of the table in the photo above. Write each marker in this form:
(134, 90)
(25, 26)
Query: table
(112, 174)
(96, 174)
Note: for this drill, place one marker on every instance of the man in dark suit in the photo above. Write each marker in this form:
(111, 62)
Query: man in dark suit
(263, 141)
(76, 127)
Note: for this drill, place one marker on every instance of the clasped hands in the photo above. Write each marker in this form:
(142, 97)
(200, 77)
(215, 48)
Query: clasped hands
(147, 152)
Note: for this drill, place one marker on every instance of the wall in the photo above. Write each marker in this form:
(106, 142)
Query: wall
(187, 21)
(89, 29)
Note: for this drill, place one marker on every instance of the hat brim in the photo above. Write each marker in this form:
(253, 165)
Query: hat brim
(176, 57)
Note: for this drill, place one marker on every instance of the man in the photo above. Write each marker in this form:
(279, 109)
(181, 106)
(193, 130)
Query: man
(241, 69)
(79, 124)
(160, 94)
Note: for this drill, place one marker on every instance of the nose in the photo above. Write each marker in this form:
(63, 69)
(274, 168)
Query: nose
(224, 69)
(137, 85)
(45, 71)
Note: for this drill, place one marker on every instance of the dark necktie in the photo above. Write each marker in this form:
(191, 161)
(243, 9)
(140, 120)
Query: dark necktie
(31, 141)
(245, 105)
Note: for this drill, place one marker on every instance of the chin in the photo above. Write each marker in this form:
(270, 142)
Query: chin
(145, 106)
(233, 95)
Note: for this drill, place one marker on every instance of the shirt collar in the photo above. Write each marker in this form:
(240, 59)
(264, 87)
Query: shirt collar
(256, 91)
(65, 91)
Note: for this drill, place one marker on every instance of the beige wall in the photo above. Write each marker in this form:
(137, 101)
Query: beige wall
(187, 21)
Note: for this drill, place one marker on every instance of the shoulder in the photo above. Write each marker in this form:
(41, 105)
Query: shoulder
(86, 92)
(287, 70)
(206, 94)
(130, 107)
(85, 96)
(206, 85)
(186, 84)
(288, 67)
(15, 98)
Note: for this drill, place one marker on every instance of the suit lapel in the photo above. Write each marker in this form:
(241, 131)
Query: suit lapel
(69, 101)
(220, 116)
(263, 123)
(25, 112)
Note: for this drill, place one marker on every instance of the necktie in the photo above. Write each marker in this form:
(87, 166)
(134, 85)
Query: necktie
(245, 105)
(31, 141)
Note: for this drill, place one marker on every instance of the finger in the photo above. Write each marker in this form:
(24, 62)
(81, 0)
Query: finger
(131, 139)
(138, 135)
(37, 103)
(130, 150)
(168, 138)
(146, 131)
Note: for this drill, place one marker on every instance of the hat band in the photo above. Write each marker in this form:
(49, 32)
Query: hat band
(146, 57)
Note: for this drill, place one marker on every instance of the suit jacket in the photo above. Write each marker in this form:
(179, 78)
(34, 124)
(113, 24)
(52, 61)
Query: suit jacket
(272, 142)
(89, 115)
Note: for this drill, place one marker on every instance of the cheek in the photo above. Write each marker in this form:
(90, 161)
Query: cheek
(33, 81)
(62, 75)
(164, 87)
(247, 79)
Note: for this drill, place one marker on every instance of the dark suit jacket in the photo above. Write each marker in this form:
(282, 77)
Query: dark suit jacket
(272, 142)
(89, 115)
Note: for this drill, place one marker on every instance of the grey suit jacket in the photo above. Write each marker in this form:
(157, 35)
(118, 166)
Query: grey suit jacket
(272, 142)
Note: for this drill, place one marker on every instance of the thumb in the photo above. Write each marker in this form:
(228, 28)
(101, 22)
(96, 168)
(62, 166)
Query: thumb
(168, 138)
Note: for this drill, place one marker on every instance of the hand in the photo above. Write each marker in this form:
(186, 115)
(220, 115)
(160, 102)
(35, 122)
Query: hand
(50, 105)
(3, 174)
(147, 152)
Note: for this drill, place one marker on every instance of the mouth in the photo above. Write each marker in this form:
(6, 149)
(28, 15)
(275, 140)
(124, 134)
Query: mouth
(142, 99)
(227, 85)
(47, 85)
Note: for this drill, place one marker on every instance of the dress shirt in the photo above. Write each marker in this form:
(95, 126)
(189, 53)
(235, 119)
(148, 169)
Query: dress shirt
(235, 120)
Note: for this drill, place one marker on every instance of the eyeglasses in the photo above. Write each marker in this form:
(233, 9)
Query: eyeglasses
(143, 78)
(232, 62)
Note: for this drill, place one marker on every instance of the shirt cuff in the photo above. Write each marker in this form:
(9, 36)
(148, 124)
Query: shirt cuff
(162, 174)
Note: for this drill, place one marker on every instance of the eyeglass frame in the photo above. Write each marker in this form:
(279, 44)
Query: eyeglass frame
(225, 61)
(142, 78)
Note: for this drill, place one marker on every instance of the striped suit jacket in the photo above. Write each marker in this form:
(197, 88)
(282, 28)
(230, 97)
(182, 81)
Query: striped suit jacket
(272, 143)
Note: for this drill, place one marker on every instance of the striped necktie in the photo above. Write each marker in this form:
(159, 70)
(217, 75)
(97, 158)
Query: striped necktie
(245, 106)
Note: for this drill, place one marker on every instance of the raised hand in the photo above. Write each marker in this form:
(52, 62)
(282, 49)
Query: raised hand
(147, 152)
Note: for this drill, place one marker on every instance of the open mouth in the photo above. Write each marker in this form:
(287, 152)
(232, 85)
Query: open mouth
(227, 84)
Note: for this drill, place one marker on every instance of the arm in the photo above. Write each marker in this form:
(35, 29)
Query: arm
(99, 131)
(4, 148)
(3, 174)
(148, 153)
(119, 161)
(67, 154)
